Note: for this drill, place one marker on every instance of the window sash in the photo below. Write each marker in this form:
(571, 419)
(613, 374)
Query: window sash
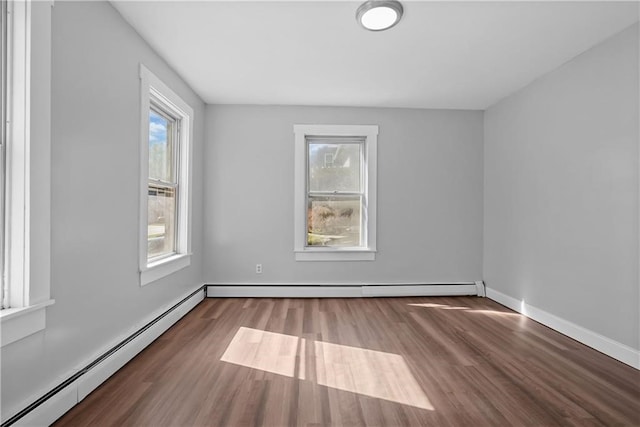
(159, 188)
(362, 194)
(173, 142)
(155, 185)
(331, 140)
(339, 221)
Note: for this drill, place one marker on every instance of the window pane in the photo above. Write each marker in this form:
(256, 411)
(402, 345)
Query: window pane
(160, 147)
(161, 220)
(334, 221)
(334, 167)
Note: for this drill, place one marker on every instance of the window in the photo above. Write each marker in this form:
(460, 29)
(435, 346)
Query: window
(25, 173)
(165, 202)
(335, 192)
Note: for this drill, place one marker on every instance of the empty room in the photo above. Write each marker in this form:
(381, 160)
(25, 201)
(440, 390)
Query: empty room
(315, 213)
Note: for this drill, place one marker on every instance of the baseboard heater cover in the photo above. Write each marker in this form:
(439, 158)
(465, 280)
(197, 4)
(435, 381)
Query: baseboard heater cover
(56, 402)
(339, 291)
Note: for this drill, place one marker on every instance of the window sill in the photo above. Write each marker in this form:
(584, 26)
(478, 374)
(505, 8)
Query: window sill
(164, 267)
(335, 255)
(18, 323)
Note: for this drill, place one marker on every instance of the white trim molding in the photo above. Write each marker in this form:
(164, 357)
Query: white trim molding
(18, 157)
(335, 255)
(164, 267)
(17, 323)
(612, 348)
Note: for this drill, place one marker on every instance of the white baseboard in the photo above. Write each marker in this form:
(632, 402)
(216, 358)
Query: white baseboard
(58, 403)
(612, 348)
(338, 291)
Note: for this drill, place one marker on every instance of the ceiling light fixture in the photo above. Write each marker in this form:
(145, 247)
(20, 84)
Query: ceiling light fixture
(379, 15)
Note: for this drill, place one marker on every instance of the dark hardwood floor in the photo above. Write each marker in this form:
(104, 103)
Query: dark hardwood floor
(461, 361)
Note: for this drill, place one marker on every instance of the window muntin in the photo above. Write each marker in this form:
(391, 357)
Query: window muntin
(335, 192)
(163, 183)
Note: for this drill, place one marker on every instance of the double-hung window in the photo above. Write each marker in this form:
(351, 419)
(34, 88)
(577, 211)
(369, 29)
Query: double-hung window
(165, 202)
(335, 192)
(24, 168)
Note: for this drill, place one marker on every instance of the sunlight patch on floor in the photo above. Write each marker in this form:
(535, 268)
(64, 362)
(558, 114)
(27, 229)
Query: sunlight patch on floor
(367, 372)
(267, 351)
(372, 373)
(494, 312)
(466, 309)
(440, 306)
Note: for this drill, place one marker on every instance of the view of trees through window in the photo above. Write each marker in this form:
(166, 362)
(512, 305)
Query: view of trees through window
(335, 193)
(163, 190)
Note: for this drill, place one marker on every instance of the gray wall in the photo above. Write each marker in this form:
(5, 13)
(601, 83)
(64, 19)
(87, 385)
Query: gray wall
(94, 199)
(429, 196)
(561, 191)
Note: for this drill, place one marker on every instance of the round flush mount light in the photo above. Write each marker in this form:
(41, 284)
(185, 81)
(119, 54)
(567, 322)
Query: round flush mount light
(379, 15)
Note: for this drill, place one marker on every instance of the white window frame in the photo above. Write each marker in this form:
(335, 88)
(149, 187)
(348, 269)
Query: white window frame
(152, 87)
(302, 251)
(20, 315)
(4, 63)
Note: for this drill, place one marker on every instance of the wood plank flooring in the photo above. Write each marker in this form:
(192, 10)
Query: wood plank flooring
(460, 361)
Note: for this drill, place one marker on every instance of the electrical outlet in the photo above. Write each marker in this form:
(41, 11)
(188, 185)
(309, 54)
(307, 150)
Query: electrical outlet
(258, 268)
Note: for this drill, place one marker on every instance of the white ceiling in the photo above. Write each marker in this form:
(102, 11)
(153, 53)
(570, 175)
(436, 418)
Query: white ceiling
(462, 55)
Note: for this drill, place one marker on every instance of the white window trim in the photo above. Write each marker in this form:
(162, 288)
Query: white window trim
(23, 317)
(157, 269)
(18, 323)
(301, 250)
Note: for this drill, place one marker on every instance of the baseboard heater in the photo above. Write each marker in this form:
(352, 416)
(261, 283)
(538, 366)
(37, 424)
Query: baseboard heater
(56, 402)
(343, 291)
